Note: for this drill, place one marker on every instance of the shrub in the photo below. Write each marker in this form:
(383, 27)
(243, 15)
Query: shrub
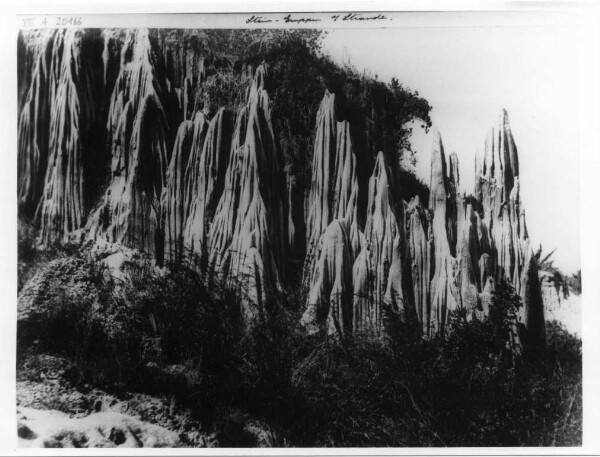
(466, 389)
(173, 333)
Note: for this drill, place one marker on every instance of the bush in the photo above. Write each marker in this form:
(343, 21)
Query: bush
(174, 334)
(467, 389)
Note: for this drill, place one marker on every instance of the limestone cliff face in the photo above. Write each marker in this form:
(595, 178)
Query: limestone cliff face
(131, 213)
(131, 210)
(137, 77)
(333, 190)
(420, 253)
(206, 179)
(247, 236)
(378, 269)
(330, 297)
(117, 135)
(443, 293)
(427, 263)
(174, 193)
(33, 126)
(73, 107)
(497, 188)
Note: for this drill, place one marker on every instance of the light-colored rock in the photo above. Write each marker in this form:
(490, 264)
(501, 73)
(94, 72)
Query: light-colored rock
(173, 201)
(420, 252)
(497, 189)
(73, 107)
(205, 177)
(33, 126)
(137, 77)
(467, 282)
(247, 236)
(377, 272)
(563, 307)
(330, 297)
(130, 211)
(443, 291)
(333, 190)
(55, 429)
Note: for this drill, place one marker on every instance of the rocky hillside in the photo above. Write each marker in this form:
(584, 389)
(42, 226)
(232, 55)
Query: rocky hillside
(155, 141)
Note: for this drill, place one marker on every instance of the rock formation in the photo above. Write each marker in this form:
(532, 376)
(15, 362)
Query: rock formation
(420, 252)
(174, 194)
(497, 188)
(130, 212)
(205, 178)
(330, 297)
(378, 269)
(333, 190)
(121, 133)
(53, 428)
(443, 295)
(73, 106)
(33, 127)
(247, 236)
(456, 251)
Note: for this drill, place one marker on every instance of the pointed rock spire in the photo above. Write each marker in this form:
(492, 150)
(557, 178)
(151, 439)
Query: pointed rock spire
(205, 177)
(33, 128)
(333, 191)
(330, 297)
(438, 187)
(137, 77)
(174, 194)
(373, 273)
(443, 292)
(497, 188)
(420, 246)
(248, 233)
(63, 207)
(130, 212)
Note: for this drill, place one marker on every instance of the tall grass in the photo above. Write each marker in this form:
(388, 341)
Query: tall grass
(174, 333)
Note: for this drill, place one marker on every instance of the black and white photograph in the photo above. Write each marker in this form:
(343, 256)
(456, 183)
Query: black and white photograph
(301, 230)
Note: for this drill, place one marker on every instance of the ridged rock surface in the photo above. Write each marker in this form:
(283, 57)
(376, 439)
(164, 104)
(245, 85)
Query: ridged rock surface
(443, 295)
(330, 296)
(377, 273)
(130, 213)
(174, 194)
(206, 180)
(118, 134)
(497, 188)
(73, 106)
(333, 190)
(420, 252)
(248, 233)
(33, 127)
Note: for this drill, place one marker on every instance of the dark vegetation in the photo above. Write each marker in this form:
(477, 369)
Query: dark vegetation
(172, 334)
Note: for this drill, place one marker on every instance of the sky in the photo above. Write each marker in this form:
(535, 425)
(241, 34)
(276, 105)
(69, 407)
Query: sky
(468, 74)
